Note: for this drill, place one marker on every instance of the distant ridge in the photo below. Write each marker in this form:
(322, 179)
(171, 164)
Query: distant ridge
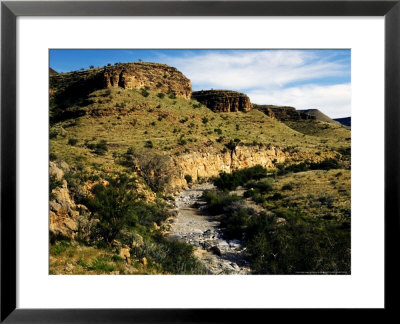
(52, 72)
(319, 116)
(346, 121)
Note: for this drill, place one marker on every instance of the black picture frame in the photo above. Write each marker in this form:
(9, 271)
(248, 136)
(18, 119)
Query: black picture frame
(10, 10)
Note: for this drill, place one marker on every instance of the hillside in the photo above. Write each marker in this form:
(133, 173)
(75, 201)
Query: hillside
(136, 132)
(319, 116)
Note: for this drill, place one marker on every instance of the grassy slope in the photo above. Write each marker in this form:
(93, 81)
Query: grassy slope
(166, 122)
(319, 116)
(334, 136)
(321, 193)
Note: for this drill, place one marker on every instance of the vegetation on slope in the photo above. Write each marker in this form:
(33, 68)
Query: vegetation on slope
(303, 225)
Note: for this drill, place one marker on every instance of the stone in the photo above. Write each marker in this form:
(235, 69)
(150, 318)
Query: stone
(137, 241)
(124, 253)
(143, 261)
(69, 267)
(55, 171)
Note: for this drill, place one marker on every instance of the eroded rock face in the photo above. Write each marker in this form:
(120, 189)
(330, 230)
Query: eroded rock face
(223, 100)
(211, 163)
(157, 77)
(206, 164)
(64, 212)
(283, 113)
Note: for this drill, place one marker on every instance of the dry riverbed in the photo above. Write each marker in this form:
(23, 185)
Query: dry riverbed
(192, 225)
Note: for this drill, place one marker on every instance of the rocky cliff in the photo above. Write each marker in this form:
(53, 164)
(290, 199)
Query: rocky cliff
(223, 100)
(206, 164)
(283, 113)
(157, 77)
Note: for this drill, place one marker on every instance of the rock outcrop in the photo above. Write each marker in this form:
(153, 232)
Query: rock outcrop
(157, 77)
(283, 113)
(63, 210)
(206, 164)
(223, 100)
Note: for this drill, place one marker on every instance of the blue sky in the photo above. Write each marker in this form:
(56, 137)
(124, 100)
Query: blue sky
(300, 78)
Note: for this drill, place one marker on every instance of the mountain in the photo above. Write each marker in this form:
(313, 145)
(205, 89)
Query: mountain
(52, 72)
(346, 121)
(283, 113)
(319, 115)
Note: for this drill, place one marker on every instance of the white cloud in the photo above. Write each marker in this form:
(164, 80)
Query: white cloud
(332, 100)
(268, 77)
(258, 69)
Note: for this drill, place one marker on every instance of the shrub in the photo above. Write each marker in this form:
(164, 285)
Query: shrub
(160, 95)
(227, 181)
(188, 178)
(101, 147)
(53, 184)
(217, 201)
(154, 168)
(72, 141)
(204, 120)
(175, 257)
(113, 206)
(287, 187)
(297, 247)
(59, 247)
(148, 144)
(144, 92)
(52, 157)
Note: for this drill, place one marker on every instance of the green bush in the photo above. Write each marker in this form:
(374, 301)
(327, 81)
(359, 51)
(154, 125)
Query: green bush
(217, 201)
(113, 206)
(148, 144)
(296, 246)
(175, 257)
(287, 187)
(188, 178)
(59, 247)
(144, 92)
(53, 184)
(230, 181)
(53, 157)
(72, 141)
(101, 147)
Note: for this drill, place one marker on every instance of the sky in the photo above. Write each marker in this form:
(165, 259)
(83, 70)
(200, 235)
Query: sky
(304, 79)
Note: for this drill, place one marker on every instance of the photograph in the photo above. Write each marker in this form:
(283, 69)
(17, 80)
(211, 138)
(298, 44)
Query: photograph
(199, 161)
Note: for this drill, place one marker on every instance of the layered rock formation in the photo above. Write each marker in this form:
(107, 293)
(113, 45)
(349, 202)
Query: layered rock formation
(206, 164)
(283, 113)
(223, 100)
(157, 77)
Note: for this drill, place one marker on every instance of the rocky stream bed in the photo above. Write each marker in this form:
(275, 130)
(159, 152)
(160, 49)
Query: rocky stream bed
(192, 225)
